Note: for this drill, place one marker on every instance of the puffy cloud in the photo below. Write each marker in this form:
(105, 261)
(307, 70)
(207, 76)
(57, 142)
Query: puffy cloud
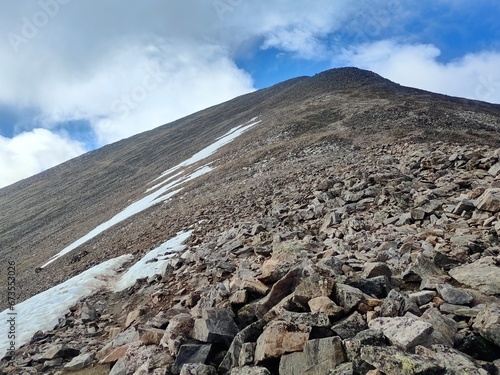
(32, 152)
(474, 76)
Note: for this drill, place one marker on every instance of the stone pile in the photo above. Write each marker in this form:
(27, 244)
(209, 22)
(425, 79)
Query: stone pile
(387, 262)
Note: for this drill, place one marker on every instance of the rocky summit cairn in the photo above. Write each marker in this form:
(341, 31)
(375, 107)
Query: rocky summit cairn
(331, 256)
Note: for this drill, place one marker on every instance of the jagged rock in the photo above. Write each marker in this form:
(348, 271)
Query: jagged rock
(487, 323)
(350, 326)
(313, 286)
(216, 325)
(149, 335)
(87, 313)
(378, 286)
(454, 361)
(280, 337)
(494, 169)
(353, 348)
(119, 368)
(489, 201)
(79, 362)
(483, 274)
(280, 290)
(59, 351)
(317, 358)
(423, 297)
(162, 319)
(348, 297)
(453, 295)
(248, 334)
(126, 337)
(191, 353)
(376, 269)
(197, 369)
(325, 305)
(177, 332)
(444, 328)
(132, 316)
(247, 354)
(397, 304)
(465, 205)
(250, 370)
(459, 310)
(403, 332)
(245, 280)
(392, 361)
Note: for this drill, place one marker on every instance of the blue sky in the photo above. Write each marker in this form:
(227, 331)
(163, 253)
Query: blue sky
(75, 75)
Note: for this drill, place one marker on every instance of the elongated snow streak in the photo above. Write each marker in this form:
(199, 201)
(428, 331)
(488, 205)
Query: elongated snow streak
(42, 311)
(167, 189)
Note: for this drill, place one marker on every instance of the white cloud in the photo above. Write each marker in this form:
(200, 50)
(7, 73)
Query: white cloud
(32, 152)
(474, 76)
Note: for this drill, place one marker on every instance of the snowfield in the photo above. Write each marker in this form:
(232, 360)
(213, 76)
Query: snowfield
(42, 312)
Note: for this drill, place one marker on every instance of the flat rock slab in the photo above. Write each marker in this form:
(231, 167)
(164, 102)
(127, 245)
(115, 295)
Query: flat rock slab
(403, 332)
(392, 361)
(318, 357)
(454, 361)
(483, 275)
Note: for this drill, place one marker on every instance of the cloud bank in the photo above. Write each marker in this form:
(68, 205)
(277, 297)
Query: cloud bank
(127, 67)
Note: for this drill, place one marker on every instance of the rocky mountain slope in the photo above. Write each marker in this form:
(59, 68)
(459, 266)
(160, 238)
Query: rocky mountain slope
(354, 229)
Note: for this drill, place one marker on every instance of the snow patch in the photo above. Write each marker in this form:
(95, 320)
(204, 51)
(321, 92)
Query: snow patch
(154, 263)
(165, 190)
(42, 312)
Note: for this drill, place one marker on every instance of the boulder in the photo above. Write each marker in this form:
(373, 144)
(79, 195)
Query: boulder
(247, 334)
(454, 361)
(79, 362)
(216, 325)
(325, 305)
(353, 348)
(392, 361)
(318, 357)
(483, 274)
(59, 351)
(489, 200)
(350, 326)
(453, 295)
(178, 331)
(487, 323)
(348, 297)
(191, 353)
(403, 332)
(444, 328)
(280, 337)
